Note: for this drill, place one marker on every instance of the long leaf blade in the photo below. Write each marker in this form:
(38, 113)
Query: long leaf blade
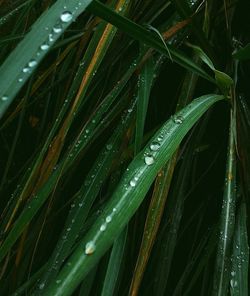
(21, 63)
(128, 196)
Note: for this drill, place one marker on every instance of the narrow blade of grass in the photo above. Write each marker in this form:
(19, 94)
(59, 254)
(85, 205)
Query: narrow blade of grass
(144, 87)
(240, 255)
(222, 266)
(114, 265)
(142, 34)
(84, 199)
(154, 216)
(20, 64)
(128, 196)
(79, 144)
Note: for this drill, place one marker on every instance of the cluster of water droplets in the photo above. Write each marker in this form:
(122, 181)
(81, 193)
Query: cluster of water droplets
(65, 17)
(90, 246)
(178, 119)
(233, 281)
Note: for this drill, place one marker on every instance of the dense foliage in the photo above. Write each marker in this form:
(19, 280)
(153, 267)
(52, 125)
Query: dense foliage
(125, 147)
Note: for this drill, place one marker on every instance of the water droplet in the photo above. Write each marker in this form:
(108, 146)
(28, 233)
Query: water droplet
(108, 219)
(57, 28)
(154, 146)
(4, 98)
(20, 79)
(51, 38)
(26, 69)
(103, 227)
(160, 138)
(178, 119)
(41, 286)
(44, 46)
(32, 63)
(114, 210)
(132, 183)
(66, 16)
(233, 283)
(90, 248)
(58, 281)
(109, 146)
(149, 159)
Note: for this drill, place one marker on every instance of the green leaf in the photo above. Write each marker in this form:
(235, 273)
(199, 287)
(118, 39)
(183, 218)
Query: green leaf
(128, 196)
(240, 255)
(84, 199)
(114, 265)
(222, 266)
(145, 81)
(140, 33)
(25, 58)
(243, 53)
(223, 80)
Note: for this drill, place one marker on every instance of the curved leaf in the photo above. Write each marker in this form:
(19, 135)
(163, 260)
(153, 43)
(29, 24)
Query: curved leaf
(128, 196)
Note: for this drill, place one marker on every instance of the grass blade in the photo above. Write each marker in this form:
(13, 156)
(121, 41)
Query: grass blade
(145, 80)
(128, 196)
(21, 63)
(142, 34)
(156, 208)
(221, 277)
(240, 255)
(84, 199)
(114, 265)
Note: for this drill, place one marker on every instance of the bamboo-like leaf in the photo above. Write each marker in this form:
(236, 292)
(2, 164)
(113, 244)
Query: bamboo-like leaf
(79, 144)
(21, 63)
(114, 265)
(84, 199)
(144, 87)
(240, 255)
(223, 80)
(128, 196)
(156, 208)
(222, 267)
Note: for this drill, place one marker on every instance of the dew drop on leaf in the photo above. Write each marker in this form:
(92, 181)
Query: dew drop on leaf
(132, 183)
(4, 98)
(32, 63)
(154, 146)
(44, 46)
(178, 119)
(103, 227)
(108, 219)
(26, 69)
(41, 286)
(90, 248)
(57, 28)
(149, 159)
(66, 16)
(109, 146)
